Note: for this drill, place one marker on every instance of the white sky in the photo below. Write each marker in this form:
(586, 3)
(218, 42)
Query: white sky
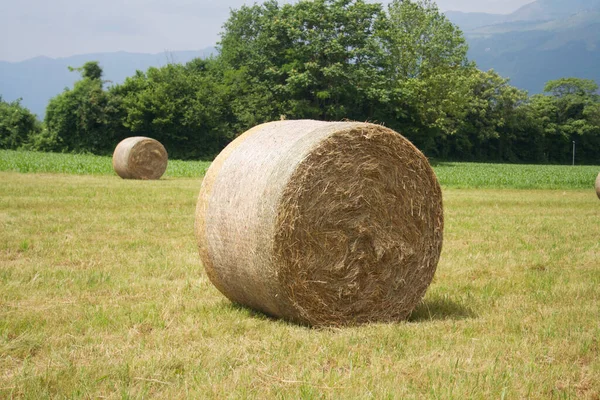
(61, 28)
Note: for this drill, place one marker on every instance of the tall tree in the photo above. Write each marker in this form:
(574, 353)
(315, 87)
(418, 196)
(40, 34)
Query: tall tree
(486, 130)
(17, 124)
(314, 59)
(426, 72)
(77, 119)
(335, 59)
(419, 41)
(568, 112)
(564, 87)
(180, 106)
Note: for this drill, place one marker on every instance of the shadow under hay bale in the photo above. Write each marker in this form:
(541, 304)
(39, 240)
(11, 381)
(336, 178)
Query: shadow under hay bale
(440, 309)
(140, 157)
(321, 223)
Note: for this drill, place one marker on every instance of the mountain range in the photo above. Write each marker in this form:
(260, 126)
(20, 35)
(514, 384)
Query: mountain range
(541, 41)
(39, 79)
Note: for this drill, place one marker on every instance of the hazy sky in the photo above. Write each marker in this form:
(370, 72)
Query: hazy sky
(61, 28)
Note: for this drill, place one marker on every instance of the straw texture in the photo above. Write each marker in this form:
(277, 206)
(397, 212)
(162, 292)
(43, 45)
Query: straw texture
(598, 185)
(140, 158)
(321, 223)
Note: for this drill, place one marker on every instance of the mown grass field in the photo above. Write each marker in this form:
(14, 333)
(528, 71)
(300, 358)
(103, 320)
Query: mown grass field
(103, 296)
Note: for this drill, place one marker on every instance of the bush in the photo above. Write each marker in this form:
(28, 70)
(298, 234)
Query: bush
(17, 124)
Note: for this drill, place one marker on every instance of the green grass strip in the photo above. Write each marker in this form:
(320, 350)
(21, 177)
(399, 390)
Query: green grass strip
(84, 164)
(450, 174)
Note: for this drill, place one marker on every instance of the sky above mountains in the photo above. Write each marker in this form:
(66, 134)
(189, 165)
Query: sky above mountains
(61, 28)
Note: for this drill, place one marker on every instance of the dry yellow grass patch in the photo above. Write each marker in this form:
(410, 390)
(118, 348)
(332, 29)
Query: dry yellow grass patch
(102, 295)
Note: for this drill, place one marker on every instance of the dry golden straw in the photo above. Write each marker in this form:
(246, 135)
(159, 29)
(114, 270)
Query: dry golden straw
(140, 158)
(598, 186)
(321, 223)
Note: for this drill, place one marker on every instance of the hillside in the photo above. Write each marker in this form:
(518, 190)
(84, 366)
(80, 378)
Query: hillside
(541, 41)
(553, 9)
(39, 79)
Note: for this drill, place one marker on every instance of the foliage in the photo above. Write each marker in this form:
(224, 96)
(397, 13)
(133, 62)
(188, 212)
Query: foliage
(488, 119)
(404, 66)
(565, 87)
(80, 119)
(90, 70)
(17, 124)
(425, 68)
(347, 59)
(569, 113)
(180, 106)
(420, 41)
(313, 59)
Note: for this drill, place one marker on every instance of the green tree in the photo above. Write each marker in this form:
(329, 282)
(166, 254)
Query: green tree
(313, 59)
(89, 70)
(336, 59)
(180, 106)
(419, 41)
(565, 87)
(426, 72)
(568, 111)
(79, 119)
(489, 126)
(17, 124)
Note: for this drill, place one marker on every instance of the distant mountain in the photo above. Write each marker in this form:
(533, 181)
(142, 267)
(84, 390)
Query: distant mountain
(468, 21)
(39, 79)
(552, 9)
(541, 41)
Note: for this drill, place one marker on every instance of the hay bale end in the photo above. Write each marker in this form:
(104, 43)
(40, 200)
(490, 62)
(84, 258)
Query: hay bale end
(140, 157)
(321, 223)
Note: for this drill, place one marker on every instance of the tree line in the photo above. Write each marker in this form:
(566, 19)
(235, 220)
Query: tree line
(404, 66)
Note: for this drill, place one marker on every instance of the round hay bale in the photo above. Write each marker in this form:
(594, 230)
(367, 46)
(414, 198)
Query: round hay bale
(598, 185)
(321, 223)
(140, 158)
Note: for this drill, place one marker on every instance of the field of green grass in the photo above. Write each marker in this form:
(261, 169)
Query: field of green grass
(102, 295)
(84, 164)
(450, 174)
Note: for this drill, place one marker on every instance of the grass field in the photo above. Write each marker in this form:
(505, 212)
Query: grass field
(84, 164)
(103, 296)
(456, 175)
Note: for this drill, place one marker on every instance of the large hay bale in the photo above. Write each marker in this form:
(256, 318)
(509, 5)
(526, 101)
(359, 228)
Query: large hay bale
(598, 185)
(140, 157)
(323, 223)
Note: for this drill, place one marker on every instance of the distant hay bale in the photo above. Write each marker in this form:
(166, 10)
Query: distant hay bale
(598, 186)
(140, 158)
(321, 223)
